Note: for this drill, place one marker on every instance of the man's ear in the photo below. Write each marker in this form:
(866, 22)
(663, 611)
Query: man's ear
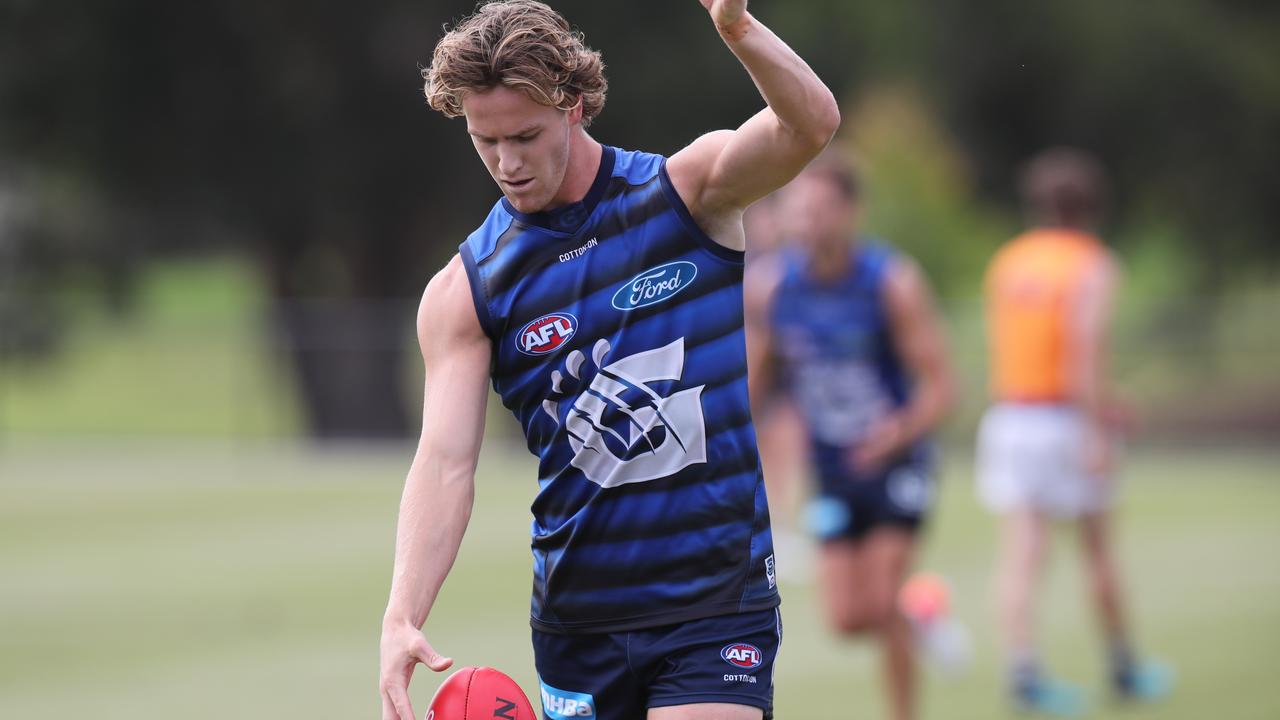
(575, 113)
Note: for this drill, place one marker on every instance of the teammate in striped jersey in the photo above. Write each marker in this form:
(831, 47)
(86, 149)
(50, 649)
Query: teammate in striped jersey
(846, 326)
(602, 296)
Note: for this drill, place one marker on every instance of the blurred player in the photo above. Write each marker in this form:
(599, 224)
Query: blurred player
(603, 298)
(849, 326)
(1045, 448)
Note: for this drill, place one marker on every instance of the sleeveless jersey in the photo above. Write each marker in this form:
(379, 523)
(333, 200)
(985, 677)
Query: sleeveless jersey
(617, 332)
(1030, 288)
(837, 356)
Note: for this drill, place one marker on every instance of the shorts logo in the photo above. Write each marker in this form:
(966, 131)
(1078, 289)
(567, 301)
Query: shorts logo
(742, 655)
(655, 285)
(769, 573)
(910, 490)
(563, 705)
(546, 334)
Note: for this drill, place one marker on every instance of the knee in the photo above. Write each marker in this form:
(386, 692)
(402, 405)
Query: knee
(871, 616)
(852, 623)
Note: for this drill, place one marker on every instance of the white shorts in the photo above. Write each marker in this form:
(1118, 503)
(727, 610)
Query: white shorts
(1032, 456)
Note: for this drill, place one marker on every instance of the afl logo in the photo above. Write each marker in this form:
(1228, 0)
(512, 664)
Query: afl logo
(546, 334)
(655, 285)
(742, 655)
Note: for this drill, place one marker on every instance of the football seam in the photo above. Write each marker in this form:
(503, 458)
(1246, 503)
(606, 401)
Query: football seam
(466, 697)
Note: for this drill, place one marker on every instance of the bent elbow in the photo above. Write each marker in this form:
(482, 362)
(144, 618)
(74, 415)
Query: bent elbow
(825, 120)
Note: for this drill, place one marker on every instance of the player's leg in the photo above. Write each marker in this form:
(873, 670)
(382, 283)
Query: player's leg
(890, 551)
(1026, 475)
(1104, 582)
(1023, 550)
(1021, 555)
(843, 566)
(860, 581)
(1130, 678)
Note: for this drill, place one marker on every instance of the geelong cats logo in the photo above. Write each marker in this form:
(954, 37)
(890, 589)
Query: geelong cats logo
(621, 428)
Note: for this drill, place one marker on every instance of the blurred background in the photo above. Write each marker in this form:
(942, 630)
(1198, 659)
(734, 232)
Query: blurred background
(216, 219)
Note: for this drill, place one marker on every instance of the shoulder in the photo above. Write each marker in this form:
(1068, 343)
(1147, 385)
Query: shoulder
(903, 282)
(636, 167)
(690, 167)
(877, 257)
(1102, 271)
(446, 308)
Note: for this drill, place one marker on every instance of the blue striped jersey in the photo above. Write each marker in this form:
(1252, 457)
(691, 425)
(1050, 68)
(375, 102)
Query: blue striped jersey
(617, 335)
(835, 348)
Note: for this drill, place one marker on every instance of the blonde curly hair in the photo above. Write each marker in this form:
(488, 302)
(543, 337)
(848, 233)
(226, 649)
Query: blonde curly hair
(524, 45)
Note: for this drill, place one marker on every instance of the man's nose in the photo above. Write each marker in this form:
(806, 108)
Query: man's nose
(509, 162)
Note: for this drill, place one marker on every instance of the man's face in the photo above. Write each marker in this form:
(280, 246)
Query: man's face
(815, 213)
(524, 144)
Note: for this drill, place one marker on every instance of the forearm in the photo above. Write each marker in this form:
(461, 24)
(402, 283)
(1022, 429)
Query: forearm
(802, 103)
(930, 402)
(434, 512)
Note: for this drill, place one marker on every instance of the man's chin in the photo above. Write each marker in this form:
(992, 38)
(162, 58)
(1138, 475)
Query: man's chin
(525, 203)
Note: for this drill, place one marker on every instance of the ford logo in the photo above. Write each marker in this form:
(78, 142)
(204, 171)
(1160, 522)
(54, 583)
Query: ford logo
(655, 285)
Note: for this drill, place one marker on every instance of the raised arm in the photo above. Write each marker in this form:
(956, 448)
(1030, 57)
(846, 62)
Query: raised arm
(723, 172)
(436, 505)
(919, 342)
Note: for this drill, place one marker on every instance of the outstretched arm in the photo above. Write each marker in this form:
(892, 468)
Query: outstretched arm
(438, 492)
(723, 172)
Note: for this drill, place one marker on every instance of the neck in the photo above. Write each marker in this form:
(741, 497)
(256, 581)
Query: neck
(829, 260)
(584, 163)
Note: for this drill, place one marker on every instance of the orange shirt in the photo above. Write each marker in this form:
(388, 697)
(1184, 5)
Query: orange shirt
(1030, 291)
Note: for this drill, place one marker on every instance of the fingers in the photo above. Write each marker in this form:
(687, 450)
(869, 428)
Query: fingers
(400, 708)
(389, 711)
(427, 655)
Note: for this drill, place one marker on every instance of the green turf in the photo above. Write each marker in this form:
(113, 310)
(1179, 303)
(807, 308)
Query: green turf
(194, 359)
(151, 580)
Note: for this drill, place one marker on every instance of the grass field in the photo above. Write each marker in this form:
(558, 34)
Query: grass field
(150, 580)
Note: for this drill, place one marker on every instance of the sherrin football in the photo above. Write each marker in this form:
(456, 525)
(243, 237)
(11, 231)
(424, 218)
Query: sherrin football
(480, 693)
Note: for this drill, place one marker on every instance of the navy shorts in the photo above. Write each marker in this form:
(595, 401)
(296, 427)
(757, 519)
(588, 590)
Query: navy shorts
(619, 676)
(848, 509)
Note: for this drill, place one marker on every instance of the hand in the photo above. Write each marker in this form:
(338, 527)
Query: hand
(403, 647)
(885, 439)
(726, 14)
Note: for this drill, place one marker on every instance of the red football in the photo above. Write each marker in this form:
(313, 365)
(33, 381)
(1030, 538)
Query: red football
(480, 694)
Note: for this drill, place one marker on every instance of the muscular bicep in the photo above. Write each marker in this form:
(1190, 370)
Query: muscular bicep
(723, 172)
(456, 355)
